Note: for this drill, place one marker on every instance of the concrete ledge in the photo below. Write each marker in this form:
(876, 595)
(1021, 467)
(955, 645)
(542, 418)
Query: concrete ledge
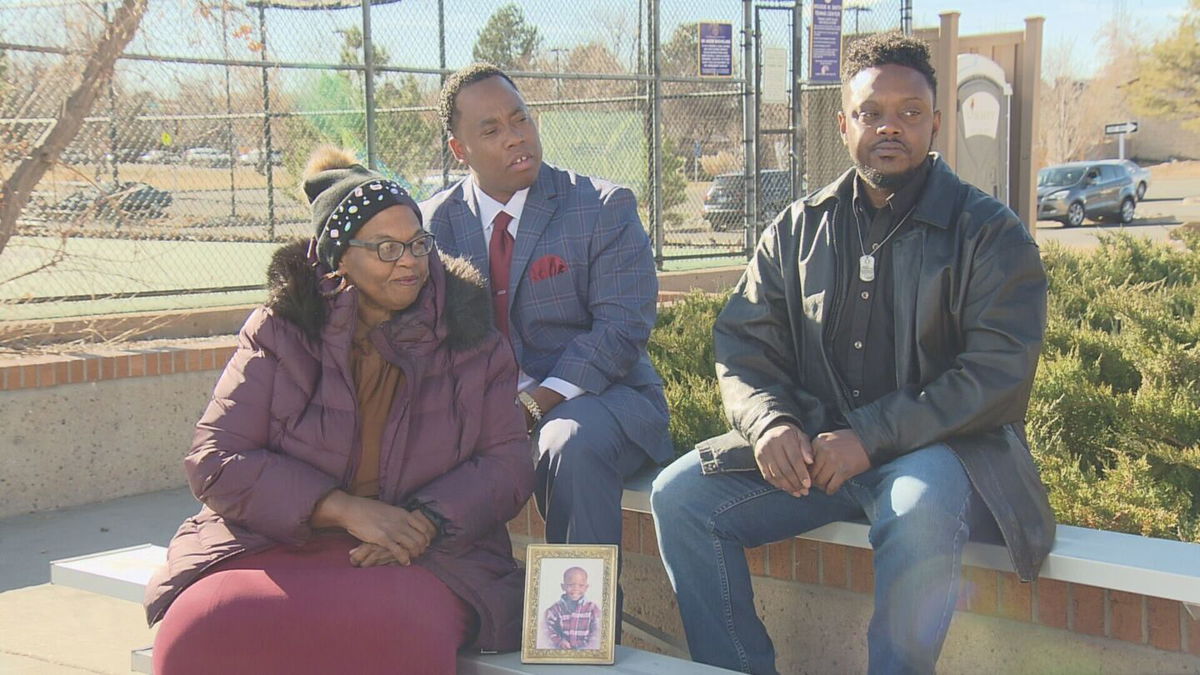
(815, 596)
(124, 573)
(1103, 597)
(711, 280)
(184, 323)
(1122, 562)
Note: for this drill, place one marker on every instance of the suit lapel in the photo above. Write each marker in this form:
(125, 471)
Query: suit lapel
(467, 227)
(540, 206)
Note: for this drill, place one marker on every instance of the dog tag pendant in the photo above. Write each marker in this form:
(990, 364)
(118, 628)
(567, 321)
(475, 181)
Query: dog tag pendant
(866, 268)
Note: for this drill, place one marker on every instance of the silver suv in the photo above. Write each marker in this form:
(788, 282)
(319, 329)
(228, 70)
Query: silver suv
(1071, 192)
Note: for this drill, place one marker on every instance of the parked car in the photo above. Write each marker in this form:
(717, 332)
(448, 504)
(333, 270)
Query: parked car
(724, 203)
(1139, 173)
(206, 157)
(254, 158)
(122, 155)
(158, 157)
(108, 200)
(1098, 190)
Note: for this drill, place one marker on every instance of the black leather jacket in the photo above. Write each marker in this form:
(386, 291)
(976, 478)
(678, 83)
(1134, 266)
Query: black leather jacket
(970, 311)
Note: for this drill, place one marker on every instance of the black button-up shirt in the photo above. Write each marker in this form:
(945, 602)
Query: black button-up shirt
(863, 337)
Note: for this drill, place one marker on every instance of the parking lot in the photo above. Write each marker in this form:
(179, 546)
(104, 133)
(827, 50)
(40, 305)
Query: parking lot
(197, 245)
(1172, 200)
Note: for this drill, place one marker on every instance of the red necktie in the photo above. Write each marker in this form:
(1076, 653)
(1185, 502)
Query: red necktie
(500, 251)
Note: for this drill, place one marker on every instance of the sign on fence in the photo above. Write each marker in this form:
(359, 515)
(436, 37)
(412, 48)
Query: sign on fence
(775, 75)
(715, 50)
(825, 42)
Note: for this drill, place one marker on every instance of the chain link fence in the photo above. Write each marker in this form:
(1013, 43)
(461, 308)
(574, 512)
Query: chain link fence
(825, 157)
(183, 178)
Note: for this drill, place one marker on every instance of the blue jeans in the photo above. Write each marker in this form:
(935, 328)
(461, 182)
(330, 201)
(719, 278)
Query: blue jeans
(921, 507)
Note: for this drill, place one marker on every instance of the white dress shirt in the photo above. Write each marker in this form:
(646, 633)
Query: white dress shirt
(488, 208)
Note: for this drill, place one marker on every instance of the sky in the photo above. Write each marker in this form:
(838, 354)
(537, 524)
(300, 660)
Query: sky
(408, 29)
(1077, 23)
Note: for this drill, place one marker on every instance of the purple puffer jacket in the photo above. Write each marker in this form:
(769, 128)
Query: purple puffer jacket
(281, 428)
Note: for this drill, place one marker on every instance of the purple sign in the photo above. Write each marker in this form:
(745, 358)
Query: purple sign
(825, 42)
(716, 49)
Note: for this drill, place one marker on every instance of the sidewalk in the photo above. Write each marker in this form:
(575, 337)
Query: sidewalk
(46, 629)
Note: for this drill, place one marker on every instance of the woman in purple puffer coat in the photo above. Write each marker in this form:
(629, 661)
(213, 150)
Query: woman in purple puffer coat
(359, 459)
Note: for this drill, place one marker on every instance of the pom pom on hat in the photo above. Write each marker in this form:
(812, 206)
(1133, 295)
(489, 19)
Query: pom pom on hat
(344, 195)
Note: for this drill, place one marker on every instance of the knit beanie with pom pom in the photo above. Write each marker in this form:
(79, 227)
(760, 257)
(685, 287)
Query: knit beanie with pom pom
(344, 195)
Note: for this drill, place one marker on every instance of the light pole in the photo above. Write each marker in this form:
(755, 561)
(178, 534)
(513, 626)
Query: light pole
(557, 51)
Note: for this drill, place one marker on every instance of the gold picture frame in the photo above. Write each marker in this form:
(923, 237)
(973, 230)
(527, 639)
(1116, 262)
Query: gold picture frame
(570, 597)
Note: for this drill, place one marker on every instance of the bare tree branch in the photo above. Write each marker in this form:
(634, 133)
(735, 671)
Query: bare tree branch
(18, 188)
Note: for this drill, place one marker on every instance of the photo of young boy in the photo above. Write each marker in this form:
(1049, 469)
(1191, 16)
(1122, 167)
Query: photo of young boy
(569, 618)
(574, 621)
(570, 604)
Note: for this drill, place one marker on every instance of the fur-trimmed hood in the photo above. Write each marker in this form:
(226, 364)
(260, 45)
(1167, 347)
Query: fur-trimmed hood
(300, 291)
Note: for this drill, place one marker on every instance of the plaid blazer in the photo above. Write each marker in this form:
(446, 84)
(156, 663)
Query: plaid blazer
(582, 291)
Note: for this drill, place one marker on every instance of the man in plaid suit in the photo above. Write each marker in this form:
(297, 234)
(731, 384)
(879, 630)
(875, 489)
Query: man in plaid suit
(576, 297)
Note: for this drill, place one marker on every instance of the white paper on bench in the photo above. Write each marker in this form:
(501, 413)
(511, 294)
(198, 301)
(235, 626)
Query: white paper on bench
(121, 573)
(142, 660)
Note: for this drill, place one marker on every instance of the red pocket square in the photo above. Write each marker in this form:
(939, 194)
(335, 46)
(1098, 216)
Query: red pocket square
(546, 267)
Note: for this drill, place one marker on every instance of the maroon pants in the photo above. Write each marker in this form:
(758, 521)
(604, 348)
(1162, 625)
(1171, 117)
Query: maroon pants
(310, 611)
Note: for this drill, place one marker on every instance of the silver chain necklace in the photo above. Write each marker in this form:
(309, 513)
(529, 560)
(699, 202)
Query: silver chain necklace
(866, 263)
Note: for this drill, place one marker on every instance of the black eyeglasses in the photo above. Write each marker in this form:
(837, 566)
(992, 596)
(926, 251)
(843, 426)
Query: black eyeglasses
(390, 250)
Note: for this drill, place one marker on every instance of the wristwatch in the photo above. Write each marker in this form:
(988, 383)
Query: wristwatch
(531, 405)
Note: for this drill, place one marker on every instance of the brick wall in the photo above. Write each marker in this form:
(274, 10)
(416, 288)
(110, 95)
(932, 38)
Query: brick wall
(99, 364)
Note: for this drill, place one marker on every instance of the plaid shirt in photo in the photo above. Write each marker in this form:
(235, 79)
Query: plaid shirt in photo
(577, 623)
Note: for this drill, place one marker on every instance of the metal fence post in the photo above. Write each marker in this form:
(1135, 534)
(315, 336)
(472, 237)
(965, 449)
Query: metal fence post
(228, 115)
(266, 101)
(749, 132)
(442, 83)
(656, 135)
(799, 187)
(112, 139)
(369, 87)
(756, 178)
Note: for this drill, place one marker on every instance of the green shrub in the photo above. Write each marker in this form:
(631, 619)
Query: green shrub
(1114, 420)
(682, 351)
(696, 412)
(1069, 406)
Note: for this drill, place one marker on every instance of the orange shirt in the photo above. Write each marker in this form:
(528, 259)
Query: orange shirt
(376, 382)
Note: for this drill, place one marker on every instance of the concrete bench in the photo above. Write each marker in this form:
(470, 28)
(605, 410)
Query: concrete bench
(1124, 562)
(1145, 566)
(123, 573)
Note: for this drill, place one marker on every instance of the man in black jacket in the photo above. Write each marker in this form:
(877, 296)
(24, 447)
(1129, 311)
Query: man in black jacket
(875, 361)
